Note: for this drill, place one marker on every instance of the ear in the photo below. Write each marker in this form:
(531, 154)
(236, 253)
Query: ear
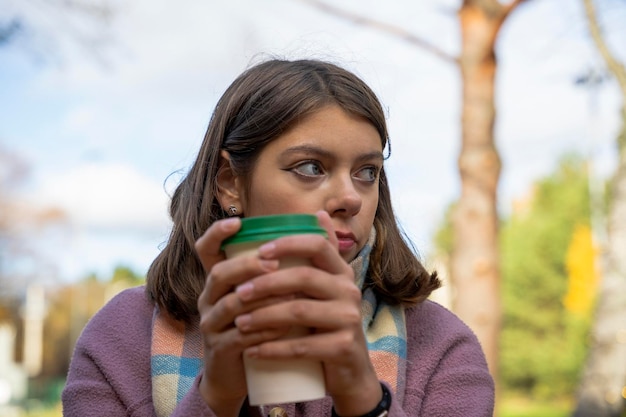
(229, 190)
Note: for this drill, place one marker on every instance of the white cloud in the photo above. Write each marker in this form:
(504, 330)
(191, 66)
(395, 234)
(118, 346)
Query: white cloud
(80, 120)
(111, 198)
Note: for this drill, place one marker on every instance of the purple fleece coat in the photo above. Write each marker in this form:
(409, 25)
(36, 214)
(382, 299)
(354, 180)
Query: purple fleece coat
(109, 374)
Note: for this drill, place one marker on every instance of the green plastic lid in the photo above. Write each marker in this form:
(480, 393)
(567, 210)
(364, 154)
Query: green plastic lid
(263, 228)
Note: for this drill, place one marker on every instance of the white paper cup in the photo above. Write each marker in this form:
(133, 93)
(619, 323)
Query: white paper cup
(272, 381)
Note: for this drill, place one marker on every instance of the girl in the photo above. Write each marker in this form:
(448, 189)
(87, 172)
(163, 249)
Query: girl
(286, 137)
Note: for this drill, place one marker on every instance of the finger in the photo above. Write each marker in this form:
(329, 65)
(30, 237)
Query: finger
(222, 315)
(321, 315)
(225, 275)
(326, 222)
(307, 281)
(208, 246)
(231, 342)
(329, 347)
(318, 249)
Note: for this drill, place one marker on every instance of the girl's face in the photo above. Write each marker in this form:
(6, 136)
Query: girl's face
(329, 161)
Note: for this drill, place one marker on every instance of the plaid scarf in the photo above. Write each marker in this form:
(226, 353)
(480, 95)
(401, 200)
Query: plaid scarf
(177, 348)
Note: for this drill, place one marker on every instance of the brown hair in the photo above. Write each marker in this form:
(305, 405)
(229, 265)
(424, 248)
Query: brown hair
(263, 102)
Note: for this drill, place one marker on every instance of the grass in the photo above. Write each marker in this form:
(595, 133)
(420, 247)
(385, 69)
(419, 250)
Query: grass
(522, 407)
(50, 411)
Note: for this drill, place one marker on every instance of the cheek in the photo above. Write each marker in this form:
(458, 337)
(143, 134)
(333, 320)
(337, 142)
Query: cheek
(370, 214)
(268, 199)
(370, 207)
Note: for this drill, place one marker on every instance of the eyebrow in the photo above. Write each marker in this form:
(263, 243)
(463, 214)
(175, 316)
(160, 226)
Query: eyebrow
(317, 151)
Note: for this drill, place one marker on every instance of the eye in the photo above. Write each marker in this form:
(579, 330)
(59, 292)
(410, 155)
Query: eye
(368, 174)
(309, 169)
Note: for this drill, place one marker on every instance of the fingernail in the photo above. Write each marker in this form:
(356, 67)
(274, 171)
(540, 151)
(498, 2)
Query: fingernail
(269, 264)
(243, 322)
(244, 291)
(267, 249)
(252, 352)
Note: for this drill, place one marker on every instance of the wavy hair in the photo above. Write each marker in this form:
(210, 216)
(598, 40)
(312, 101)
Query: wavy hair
(261, 104)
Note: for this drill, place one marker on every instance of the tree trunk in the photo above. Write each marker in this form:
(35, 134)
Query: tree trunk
(603, 384)
(475, 269)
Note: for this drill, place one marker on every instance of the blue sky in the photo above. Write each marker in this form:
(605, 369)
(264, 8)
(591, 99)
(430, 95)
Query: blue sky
(102, 139)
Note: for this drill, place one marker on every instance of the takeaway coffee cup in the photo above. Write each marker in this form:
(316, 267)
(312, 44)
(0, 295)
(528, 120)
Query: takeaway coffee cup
(278, 381)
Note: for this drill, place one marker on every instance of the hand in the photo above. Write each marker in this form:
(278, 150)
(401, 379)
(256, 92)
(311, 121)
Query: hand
(223, 384)
(329, 302)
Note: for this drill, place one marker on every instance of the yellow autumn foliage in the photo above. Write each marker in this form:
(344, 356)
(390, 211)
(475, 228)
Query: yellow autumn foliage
(582, 270)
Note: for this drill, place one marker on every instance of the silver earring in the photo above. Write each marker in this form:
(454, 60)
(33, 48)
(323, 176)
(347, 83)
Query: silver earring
(232, 210)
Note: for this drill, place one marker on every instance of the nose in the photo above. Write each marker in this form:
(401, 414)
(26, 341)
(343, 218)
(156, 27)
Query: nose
(344, 199)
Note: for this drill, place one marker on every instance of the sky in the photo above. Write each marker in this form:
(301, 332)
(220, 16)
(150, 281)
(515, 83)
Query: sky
(109, 116)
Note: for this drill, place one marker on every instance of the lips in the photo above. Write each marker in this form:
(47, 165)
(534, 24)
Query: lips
(347, 241)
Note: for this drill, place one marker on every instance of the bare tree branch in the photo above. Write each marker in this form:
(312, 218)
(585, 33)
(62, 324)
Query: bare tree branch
(493, 8)
(615, 67)
(46, 28)
(384, 27)
(512, 6)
